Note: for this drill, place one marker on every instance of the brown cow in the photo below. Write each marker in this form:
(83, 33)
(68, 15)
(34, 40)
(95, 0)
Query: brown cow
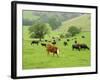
(53, 49)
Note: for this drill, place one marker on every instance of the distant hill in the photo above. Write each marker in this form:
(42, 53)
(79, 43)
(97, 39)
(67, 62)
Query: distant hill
(82, 22)
(54, 19)
(28, 15)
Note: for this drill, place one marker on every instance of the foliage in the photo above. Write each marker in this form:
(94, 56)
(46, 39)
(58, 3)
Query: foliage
(68, 34)
(74, 30)
(62, 35)
(54, 22)
(39, 30)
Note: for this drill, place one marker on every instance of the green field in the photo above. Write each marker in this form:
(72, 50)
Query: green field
(35, 56)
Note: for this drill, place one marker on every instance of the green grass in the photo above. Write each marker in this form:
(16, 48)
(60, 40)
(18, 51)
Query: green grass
(36, 56)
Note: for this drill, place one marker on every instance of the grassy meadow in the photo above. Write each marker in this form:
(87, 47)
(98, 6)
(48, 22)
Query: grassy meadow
(35, 56)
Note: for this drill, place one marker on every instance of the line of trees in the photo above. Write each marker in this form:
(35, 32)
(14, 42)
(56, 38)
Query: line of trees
(39, 30)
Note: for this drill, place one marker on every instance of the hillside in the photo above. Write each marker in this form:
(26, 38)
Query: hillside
(82, 22)
(28, 15)
(54, 19)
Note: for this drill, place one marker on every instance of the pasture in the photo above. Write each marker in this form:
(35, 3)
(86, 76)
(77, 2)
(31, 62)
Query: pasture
(35, 56)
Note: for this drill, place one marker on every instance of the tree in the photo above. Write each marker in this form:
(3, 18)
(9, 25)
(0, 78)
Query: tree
(62, 35)
(54, 22)
(39, 30)
(74, 30)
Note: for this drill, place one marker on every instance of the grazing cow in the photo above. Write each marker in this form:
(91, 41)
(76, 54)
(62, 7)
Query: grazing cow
(84, 46)
(59, 39)
(83, 36)
(53, 49)
(43, 44)
(54, 42)
(65, 43)
(68, 40)
(46, 40)
(35, 42)
(76, 46)
(75, 42)
(79, 46)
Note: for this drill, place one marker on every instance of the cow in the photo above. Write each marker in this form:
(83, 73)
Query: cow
(68, 40)
(35, 42)
(54, 42)
(84, 46)
(53, 49)
(65, 43)
(75, 42)
(46, 40)
(80, 46)
(43, 44)
(76, 46)
(59, 39)
(83, 36)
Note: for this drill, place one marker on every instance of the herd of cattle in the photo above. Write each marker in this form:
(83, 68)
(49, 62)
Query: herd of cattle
(52, 48)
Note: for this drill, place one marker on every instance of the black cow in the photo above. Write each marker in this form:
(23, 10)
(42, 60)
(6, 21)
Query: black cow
(84, 46)
(54, 42)
(83, 36)
(80, 46)
(65, 43)
(68, 40)
(46, 40)
(76, 46)
(35, 42)
(75, 42)
(59, 39)
(43, 44)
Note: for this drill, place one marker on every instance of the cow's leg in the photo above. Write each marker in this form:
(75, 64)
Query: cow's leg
(53, 54)
(57, 52)
(78, 49)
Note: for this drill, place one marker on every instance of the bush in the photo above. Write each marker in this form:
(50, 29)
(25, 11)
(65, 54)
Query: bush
(68, 35)
(74, 30)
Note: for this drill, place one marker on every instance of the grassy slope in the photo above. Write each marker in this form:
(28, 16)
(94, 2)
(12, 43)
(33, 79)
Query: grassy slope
(82, 22)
